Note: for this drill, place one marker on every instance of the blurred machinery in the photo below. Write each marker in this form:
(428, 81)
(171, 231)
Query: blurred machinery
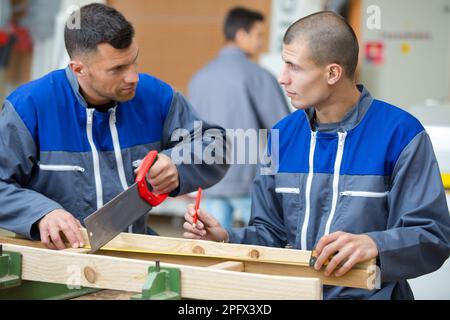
(405, 48)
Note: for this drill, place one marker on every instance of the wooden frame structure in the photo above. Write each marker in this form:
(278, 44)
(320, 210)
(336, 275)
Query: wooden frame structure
(209, 270)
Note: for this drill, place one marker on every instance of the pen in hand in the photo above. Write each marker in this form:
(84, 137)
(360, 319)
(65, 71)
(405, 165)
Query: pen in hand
(197, 206)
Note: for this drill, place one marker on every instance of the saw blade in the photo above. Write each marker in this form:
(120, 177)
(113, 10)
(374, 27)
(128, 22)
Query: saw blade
(115, 217)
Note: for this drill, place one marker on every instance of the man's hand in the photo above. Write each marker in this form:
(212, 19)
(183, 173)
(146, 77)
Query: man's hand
(207, 227)
(349, 249)
(51, 226)
(163, 175)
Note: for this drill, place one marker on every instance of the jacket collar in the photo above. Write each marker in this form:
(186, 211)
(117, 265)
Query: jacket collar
(351, 120)
(75, 86)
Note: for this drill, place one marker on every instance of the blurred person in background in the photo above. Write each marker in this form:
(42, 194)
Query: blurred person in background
(237, 93)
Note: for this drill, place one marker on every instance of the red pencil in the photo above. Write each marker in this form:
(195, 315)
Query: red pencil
(197, 206)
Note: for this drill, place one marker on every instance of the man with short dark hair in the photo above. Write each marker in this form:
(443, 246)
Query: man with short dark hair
(244, 28)
(356, 179)
(71, 141)
(236, 93)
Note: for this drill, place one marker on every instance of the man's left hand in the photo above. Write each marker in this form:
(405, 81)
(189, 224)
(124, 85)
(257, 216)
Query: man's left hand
(163, 175)
(349, 249)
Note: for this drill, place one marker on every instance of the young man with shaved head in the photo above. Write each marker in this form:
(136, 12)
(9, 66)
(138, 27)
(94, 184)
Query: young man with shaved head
(72, 140)
(356, 177)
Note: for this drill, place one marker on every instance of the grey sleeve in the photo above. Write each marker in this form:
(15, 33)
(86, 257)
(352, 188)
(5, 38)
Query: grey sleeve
(267, 99)
(198, 149)
(20, 207)
(266, 226)
(417, 239)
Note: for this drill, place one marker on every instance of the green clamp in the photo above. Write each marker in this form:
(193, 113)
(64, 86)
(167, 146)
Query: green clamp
(161, 284)
(10, 269)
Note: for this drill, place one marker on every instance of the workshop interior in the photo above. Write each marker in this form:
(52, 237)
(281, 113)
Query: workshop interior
(404, 59)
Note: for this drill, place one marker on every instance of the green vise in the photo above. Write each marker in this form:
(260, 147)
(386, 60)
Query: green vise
(10, 269)
(161, 284)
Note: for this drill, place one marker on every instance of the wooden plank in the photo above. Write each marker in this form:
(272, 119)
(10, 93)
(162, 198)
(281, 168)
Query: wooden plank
(177, 246)
(21, 242)
(4, 233)
(80, 250)
(129, 275)
(229, 265)
(183, 260)
(361, 277)
(356, 278)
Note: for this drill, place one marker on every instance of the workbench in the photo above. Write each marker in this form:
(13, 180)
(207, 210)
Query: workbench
(148, 267)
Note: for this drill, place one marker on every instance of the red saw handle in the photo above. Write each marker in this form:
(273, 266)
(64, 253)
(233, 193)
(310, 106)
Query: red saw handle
(153, 199)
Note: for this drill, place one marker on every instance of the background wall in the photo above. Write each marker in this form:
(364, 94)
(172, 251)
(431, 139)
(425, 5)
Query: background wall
(412, 62)
(178, 37)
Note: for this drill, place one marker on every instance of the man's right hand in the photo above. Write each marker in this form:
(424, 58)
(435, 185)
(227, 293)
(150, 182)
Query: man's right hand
(207, 227)
(57, 222)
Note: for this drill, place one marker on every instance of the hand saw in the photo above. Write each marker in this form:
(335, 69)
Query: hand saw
(125, 209)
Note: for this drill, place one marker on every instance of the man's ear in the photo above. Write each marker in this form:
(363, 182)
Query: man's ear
(335, 73)
(78, 68)
(241, 36)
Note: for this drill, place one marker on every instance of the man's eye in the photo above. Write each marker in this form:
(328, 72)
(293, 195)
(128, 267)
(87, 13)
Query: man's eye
(293, 66)
(117, 69)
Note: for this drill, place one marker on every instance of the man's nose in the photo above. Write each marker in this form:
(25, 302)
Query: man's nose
(132, 76)
(283, 78)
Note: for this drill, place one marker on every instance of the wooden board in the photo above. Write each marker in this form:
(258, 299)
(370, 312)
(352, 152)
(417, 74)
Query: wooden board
(364, 276)
(356, 278)
(177, 246)
(129, 275)
(229, 265)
